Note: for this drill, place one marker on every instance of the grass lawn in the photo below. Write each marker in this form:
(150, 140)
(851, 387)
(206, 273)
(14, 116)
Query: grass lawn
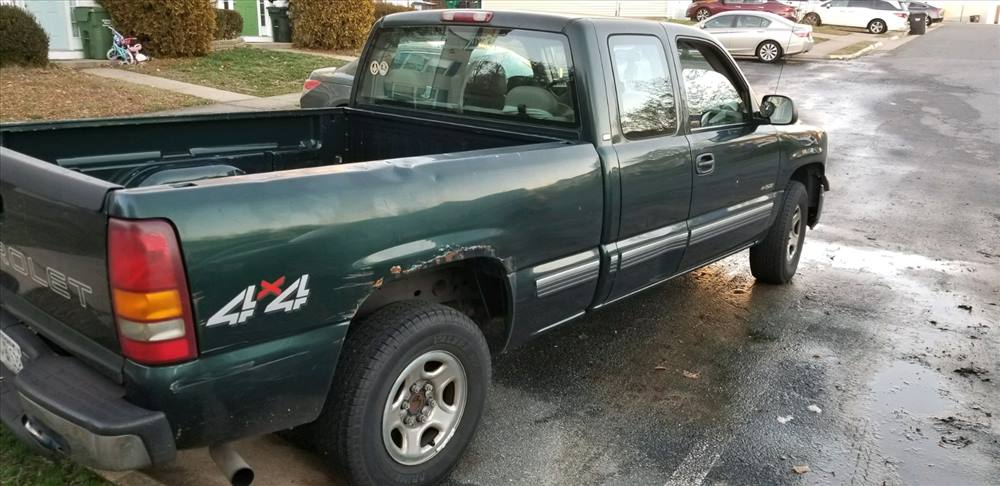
(831, 30)
(247, 70)
(682, 21)
(21, 466)
(851, 49)
(58, 93)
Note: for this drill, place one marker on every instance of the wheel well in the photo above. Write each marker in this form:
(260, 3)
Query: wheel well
(873, 20)
(811, 175)
(476, 287)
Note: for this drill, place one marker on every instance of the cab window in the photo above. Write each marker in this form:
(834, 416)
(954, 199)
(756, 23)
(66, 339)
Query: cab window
(646, 106)
(751, 22)
(713, 95)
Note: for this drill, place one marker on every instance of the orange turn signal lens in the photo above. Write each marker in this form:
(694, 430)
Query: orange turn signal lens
(147, 306)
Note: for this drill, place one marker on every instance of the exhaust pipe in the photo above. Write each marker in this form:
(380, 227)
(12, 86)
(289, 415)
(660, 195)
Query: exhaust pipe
(232, 465)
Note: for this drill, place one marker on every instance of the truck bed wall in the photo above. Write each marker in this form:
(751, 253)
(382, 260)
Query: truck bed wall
(128, 151)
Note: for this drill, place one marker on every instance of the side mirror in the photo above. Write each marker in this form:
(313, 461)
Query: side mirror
(778, 110)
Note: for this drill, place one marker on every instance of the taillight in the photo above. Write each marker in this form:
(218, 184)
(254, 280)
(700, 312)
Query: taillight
(901, 15)
(149, 292)
(802, 33)
(466, 16)
(310, 84)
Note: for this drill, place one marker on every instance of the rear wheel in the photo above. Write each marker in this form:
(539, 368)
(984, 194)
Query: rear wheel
(775, 259)
(876, 26)
(702, 14)
(811, 19)
(407, 396)
(768, 51)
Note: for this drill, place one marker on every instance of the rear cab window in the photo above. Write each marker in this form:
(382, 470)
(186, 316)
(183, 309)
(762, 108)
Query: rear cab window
(501, 73)
(646, 103)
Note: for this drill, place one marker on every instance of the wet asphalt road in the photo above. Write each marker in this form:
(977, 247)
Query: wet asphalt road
(684, 384)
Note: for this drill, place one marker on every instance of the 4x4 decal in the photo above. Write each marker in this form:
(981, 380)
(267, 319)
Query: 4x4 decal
(244, 305)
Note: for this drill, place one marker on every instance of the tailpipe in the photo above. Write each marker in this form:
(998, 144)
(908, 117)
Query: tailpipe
(232, 465)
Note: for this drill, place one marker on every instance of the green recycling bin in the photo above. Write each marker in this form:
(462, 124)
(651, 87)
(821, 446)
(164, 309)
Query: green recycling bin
(95, 36)
(281, 27)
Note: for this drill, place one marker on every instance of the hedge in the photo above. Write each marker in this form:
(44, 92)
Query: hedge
(22, 40)
(168, 28)
(228, 23)
(325, 24)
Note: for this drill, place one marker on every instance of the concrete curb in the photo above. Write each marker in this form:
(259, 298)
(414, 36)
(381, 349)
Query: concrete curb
(855, 55)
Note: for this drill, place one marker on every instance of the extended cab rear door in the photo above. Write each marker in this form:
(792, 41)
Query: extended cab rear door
(653, 155)
(53, 256)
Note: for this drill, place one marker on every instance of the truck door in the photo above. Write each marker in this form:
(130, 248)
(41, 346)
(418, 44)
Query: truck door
(654, 161)
(735, 159)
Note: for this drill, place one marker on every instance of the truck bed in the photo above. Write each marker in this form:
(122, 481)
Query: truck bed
(141, 152)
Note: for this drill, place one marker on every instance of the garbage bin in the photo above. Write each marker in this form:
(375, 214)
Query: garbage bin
(281, 27)
(95, 36)
(918, 23)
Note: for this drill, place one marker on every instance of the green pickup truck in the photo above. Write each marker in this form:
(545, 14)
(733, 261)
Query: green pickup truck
(346, 274)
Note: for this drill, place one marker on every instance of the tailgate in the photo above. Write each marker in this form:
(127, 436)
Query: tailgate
(53, 261)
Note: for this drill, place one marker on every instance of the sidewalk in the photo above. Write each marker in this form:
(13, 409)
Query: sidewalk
(225, 101)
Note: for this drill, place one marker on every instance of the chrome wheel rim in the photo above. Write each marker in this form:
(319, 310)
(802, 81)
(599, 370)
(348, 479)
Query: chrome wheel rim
(768, 52)
(702, 14)
(810, 19)
(877, 27)
(424, 407)
(793, 234)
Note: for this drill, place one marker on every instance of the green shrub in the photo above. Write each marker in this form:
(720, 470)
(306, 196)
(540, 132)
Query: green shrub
(168, 28)
(383, 9)
(325, 24)
(228, 23)
(22, 40)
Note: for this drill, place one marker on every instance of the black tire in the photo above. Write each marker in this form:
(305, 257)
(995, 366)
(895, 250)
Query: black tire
(349, 430)
(701, 14)
(877, 26)
(767, 49)
(770, 260)
(812, 18)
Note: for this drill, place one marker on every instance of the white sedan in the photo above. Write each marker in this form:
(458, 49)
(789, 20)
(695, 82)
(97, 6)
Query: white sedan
(877, 16)
(763, 35)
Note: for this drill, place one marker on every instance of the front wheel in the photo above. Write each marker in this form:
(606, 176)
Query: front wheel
(775, 259)
(876, 26)
(769, 51)
(407, 396)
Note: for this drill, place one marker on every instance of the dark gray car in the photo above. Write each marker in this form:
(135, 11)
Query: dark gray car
(328, 87)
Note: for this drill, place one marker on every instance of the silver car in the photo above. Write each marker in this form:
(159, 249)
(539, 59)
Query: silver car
(763, 35)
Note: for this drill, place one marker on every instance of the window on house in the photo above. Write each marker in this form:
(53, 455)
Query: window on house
(263, 12)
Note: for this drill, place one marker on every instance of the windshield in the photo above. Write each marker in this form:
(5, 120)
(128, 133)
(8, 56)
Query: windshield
(479, 71)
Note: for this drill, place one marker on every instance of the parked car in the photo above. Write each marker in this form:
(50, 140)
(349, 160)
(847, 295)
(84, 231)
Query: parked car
(765, 36)
(328, 87)
(878, 16)
(702, 9)
(350, 271)
(934, 14)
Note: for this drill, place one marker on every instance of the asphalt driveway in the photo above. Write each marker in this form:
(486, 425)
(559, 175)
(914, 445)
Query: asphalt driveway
(881, 360)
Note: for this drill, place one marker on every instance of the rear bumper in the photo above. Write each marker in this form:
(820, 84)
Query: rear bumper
(58, 405)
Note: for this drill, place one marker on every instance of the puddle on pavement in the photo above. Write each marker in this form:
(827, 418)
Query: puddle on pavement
(909, 402)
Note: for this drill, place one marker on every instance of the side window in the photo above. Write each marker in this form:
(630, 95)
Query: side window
(713, 96)
(837, 3)
(860, 3)
(723, 22)
(881, 5)
(646, 104)
(751, 21)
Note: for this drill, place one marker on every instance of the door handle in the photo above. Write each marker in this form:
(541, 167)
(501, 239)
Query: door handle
(704, 164)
